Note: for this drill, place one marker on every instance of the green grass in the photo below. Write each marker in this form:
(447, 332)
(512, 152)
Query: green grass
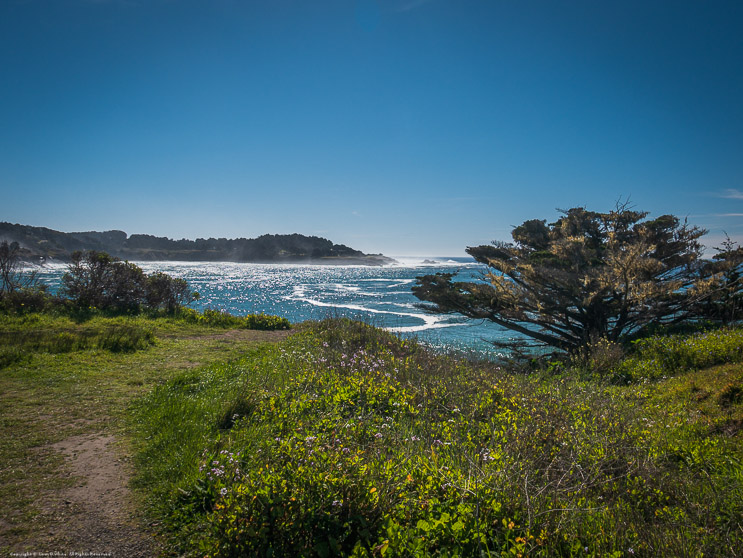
(663, 356)
(216, 318)
(60, 378)
(344, 440)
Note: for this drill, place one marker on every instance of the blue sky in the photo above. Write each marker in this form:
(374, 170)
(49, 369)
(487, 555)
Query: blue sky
(407, 127)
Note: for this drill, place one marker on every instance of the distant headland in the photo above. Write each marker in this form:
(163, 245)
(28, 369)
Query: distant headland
(45, 245)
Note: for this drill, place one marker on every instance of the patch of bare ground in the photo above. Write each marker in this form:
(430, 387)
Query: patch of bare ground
(68, 482)
(95, 512)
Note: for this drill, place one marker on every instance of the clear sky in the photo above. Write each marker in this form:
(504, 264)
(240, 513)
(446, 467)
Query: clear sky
(408, 127)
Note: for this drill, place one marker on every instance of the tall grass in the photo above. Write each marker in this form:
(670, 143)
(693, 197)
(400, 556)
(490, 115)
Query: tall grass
(20, 337)
(669, 355)
(216, 318)
(345, 440)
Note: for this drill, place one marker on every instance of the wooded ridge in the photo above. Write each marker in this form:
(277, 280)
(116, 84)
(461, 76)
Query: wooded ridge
(43, 244)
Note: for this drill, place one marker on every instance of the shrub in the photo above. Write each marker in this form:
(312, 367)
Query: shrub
(13, 276)
(96, 280)
(126, 339)
(31, 299)
(12, 355)
(660, 356)
(165, 292)
(219, 318)
(265, 322)
(601, 357)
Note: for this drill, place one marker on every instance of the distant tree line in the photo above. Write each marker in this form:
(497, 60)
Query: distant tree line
(40, 242)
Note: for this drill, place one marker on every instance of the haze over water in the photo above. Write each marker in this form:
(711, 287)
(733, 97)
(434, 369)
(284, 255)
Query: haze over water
(378, 295)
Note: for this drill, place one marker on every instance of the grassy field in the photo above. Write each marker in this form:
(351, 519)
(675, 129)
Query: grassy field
(60, 379)
(342, 439)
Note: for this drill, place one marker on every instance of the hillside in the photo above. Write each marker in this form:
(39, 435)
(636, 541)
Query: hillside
(40, 243)
(339, 439)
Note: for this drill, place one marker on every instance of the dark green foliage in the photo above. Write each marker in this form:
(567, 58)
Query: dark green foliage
(586, 277)
(96, 280)
(217, 318)
(722, 299)
(266, 322)
(48, 243)
(30, 299)
(11, 355)
(241, 407)
(168, 293)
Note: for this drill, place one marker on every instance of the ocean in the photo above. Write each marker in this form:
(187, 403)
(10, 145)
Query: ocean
(377, 295)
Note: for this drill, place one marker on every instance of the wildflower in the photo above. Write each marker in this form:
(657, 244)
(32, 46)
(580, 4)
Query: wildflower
(378, 435)
(223, 492)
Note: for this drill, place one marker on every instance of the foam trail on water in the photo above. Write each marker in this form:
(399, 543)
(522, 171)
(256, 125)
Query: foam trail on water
(429, 321)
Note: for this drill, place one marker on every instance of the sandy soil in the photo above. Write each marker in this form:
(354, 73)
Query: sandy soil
(96, 515)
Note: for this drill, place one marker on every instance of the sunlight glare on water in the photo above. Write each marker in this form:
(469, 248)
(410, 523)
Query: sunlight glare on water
(378, 295)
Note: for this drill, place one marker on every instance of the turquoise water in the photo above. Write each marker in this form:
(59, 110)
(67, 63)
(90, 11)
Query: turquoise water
(377, 295)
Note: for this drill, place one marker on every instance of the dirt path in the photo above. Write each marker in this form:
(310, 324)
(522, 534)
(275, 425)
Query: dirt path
(97, 514)
(84, 503)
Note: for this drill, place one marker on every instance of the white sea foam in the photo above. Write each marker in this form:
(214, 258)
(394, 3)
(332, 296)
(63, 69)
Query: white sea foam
(298, 291)
(429, 321)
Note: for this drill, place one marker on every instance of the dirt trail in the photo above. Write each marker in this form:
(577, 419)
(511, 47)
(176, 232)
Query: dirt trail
(96, 515)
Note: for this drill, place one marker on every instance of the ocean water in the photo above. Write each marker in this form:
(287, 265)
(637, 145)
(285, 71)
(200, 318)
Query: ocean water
(378, 295)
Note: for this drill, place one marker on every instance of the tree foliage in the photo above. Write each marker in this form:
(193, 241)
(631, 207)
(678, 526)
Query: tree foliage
(98, 280)
(585, 277)
(166, 292)
(13, 276)
(721, 282)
